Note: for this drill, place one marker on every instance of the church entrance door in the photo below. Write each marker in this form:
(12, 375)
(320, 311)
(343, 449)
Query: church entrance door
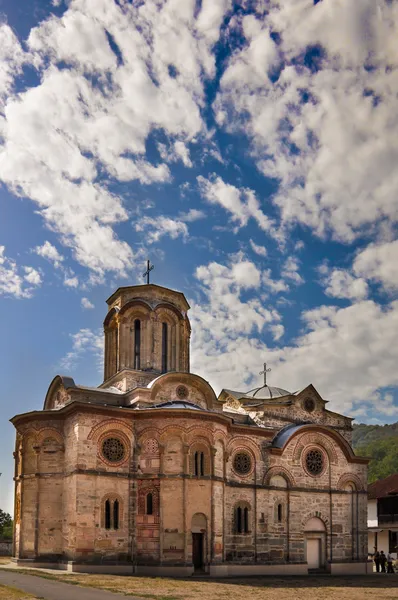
(313, 553)
(197, 551)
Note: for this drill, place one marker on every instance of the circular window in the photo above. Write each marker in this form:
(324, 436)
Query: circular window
(309, 404)
(314, 462)
(113, 450)
(182, 392)
(242, 463)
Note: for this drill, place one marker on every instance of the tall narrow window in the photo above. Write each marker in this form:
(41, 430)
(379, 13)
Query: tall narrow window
(239, 520)
(245, 520)
(116, 514)
(137, 344)
(149, 504)
(279, 513)
(107, 514)
(164, 347)
(202, 464)
(196, 464)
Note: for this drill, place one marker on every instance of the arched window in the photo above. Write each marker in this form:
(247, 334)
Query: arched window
(242, 519)
(116, 514)
(149, 504)
(107, 514)
(279, 513)
(111, 515)
(245, 520)
(164, 347)
(239, 520)
(199, 464)
(137, 344)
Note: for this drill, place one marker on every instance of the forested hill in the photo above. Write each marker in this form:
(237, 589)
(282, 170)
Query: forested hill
(380, 442)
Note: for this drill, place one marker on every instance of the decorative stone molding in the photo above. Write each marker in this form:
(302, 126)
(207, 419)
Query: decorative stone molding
(277, 470)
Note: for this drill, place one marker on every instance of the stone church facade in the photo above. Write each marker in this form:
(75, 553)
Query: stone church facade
(152, 473)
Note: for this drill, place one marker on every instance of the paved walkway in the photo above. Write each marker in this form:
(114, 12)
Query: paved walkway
(56, 590)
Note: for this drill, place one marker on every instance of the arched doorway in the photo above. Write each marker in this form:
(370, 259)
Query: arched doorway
(315, 543)
(198, 529)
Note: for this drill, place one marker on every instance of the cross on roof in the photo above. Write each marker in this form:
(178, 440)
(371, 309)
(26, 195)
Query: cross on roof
(264, 372)
(149, 268)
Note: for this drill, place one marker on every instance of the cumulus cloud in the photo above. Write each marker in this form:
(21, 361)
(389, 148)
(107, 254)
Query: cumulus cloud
(192, 215)
(260, 250)
(242, 204)
(314, 89)
(347, 353)
(157, 227)
(379, 263)
(290, 270)
(111, 75)
(340, 283)
(86, 304)
(50, 252)
(84, 342)
(19, 282)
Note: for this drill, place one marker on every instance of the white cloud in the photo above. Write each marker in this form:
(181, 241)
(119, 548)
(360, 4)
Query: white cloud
(19, 282)
(110, 75)
(339, 283)
(32, 276)
(260, 250)
(323, 123)
(242, 203)
(290, 270)
(158, 227)
(71, 281)
(379, 263)
(50, 252)
(11, 60)
(84, 342)
(86, 304)
(347, 353)
(192, 215)
(273, 285)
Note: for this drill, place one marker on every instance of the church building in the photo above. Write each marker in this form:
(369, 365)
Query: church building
(152, 473)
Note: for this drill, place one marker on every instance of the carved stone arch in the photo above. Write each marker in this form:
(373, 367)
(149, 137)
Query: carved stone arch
(126, 308)
(111, 425)
(173, 430)
(315, 513)
(166, 309)
(350, 478)
(202, 446)
(244, 442)
(49, 432)
(277, 470)
(196, 432)
(315, 439)
(150, 433)
(111, 314)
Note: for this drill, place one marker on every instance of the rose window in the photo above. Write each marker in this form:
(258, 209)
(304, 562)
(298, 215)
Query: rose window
(182, 392)
(242, 463)
(113, 450)
(314, 462)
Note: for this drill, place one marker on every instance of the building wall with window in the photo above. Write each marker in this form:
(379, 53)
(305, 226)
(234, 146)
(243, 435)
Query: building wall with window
(383, 516)
(152, 473)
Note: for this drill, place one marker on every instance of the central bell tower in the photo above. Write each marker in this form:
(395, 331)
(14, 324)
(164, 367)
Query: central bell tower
(147, 333)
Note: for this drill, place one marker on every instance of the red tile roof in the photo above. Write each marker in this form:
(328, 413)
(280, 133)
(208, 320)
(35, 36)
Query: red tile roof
(383, 487)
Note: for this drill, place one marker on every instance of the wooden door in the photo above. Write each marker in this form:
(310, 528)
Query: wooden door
(197, 550)
(313, 553)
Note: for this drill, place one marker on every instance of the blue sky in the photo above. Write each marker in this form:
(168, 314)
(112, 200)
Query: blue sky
(249, 149)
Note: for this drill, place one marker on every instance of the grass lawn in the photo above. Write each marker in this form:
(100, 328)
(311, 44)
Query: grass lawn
(10, 593)
(380, 586)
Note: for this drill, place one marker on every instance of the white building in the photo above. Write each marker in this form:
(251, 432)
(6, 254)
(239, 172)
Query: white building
(383, 515)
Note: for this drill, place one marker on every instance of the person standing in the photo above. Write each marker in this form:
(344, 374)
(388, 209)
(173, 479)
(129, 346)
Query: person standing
(390, 568)
(383, 560)
(376, 559)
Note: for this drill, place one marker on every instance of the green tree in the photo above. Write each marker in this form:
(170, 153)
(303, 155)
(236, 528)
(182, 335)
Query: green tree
(5, 524)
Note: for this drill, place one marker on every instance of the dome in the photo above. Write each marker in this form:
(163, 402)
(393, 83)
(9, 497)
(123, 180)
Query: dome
(267, 392)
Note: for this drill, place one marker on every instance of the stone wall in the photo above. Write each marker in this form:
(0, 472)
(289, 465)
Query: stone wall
(65, 482)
